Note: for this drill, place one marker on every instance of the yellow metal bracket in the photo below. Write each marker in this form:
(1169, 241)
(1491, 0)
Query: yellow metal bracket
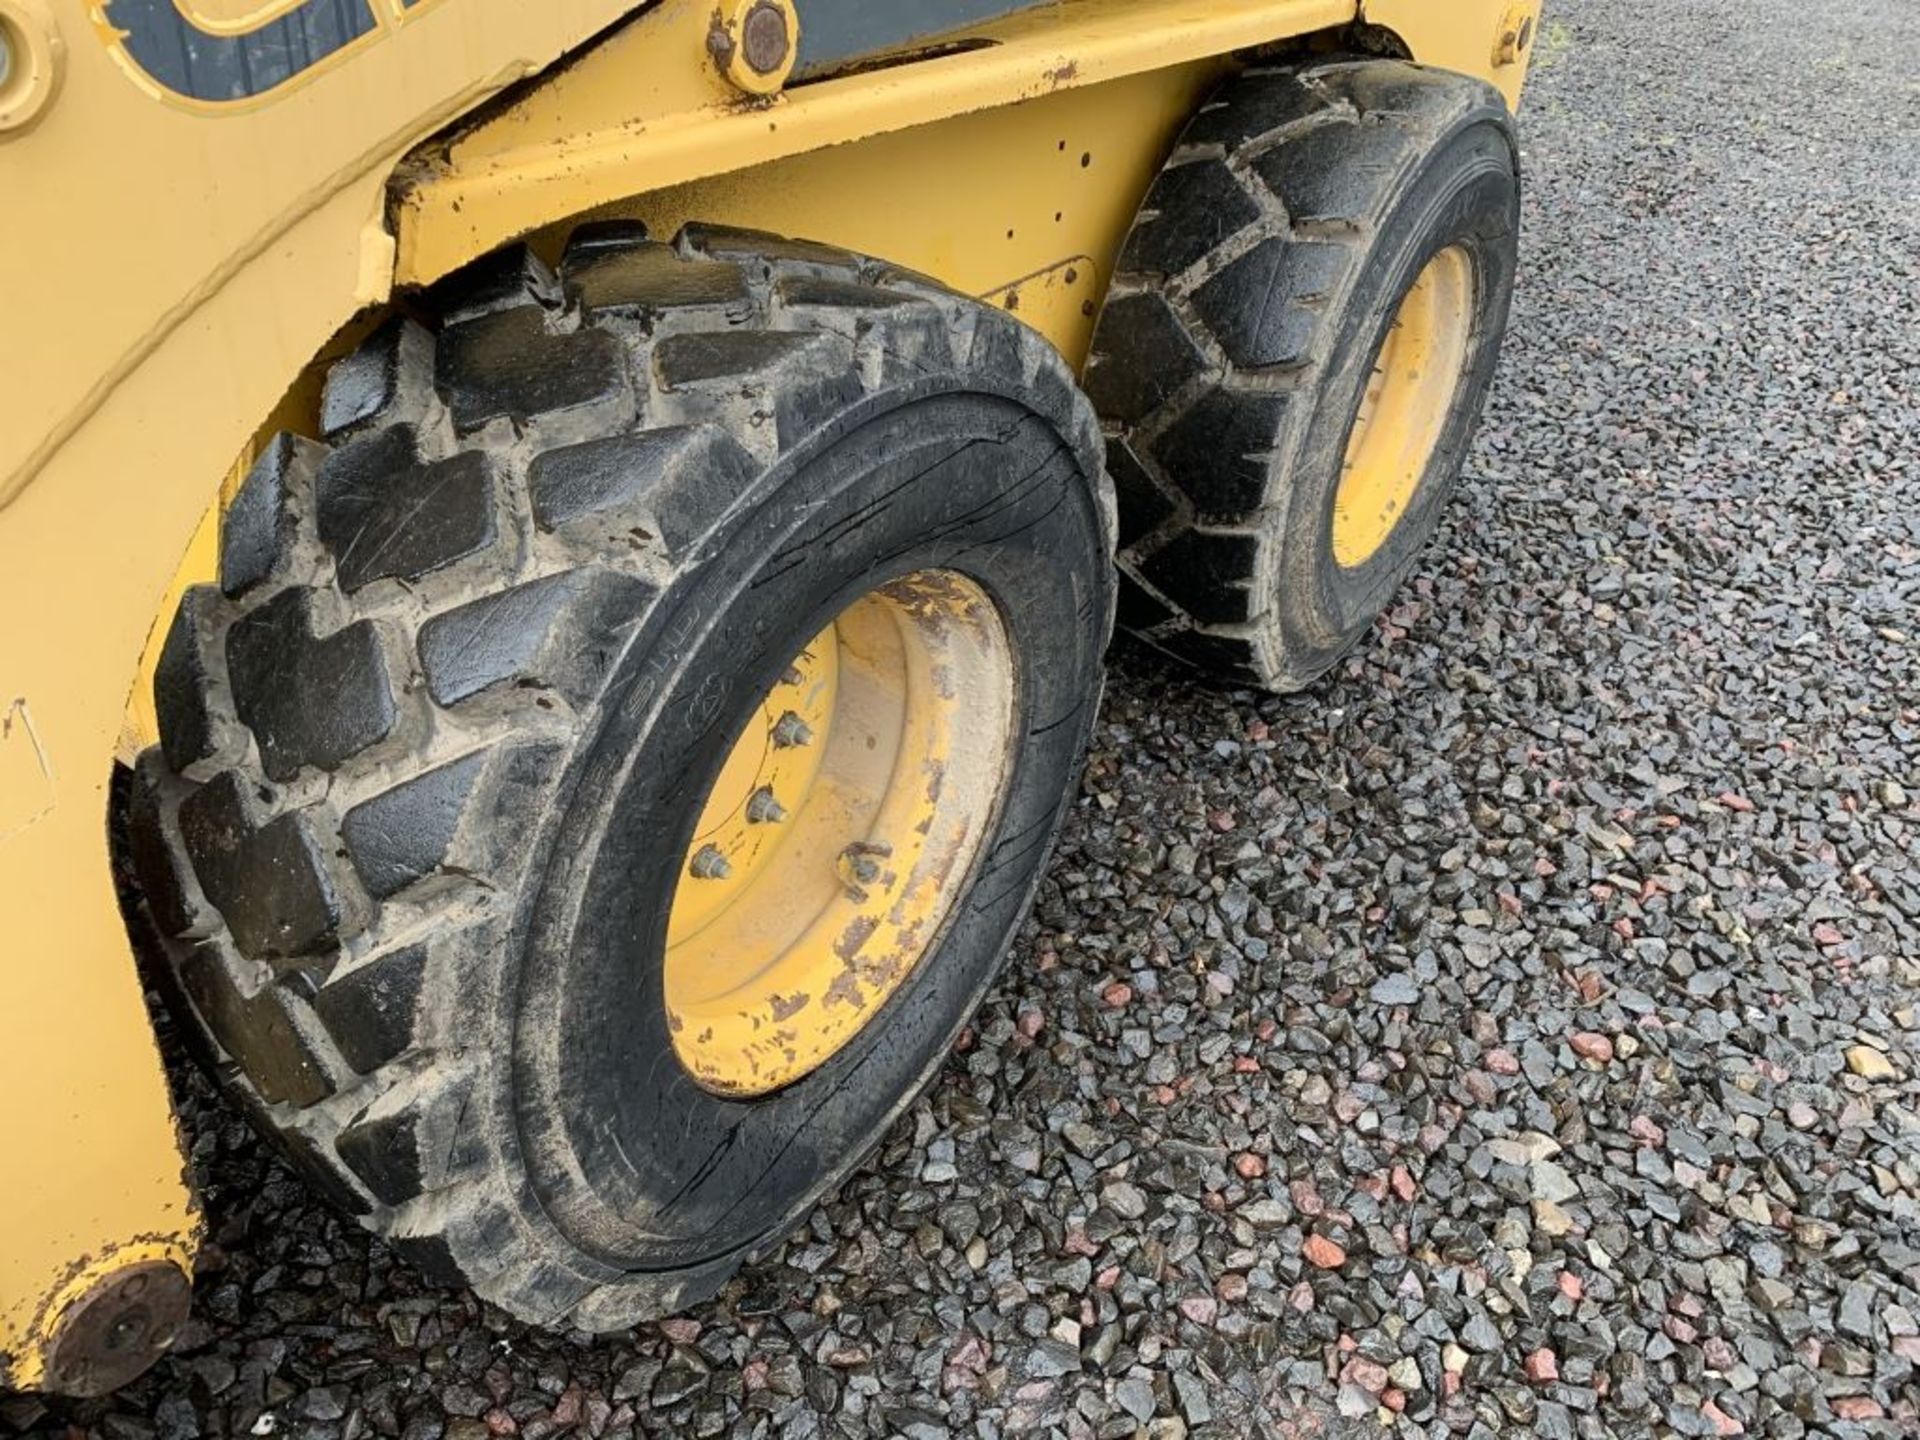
(621, 123)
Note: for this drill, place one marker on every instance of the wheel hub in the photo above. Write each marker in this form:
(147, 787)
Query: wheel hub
(839, 832)
(1408, 398)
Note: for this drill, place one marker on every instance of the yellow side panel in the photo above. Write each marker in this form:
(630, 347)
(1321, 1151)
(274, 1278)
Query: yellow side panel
(1004, 204)
(612, 124)
(85, 553)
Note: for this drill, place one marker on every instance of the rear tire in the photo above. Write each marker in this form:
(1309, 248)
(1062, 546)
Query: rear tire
(1253, 298)
(433, 750)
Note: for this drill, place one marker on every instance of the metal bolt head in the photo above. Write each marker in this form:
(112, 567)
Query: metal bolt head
(790, 731)
(764, 39)
(857, 868)
(709, 864)
(1515, 33)
(116, 1328)
(720, 43)
(763, 809)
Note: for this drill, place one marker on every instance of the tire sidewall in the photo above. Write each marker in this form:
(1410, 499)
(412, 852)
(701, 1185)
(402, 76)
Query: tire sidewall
(1466, 193)
(636, 1164)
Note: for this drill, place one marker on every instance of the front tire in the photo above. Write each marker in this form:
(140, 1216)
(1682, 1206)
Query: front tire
(440, 754)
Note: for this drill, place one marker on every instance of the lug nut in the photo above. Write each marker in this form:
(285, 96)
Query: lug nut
(790, 730)
(791, 675)
(859, 866)
(763, 809)
(859, 861)
(709, 864)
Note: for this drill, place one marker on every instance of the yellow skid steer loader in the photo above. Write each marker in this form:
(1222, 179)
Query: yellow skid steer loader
(555, 560)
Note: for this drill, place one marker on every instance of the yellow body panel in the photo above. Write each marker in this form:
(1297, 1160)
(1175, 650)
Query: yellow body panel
(593, 130)
(173, 267)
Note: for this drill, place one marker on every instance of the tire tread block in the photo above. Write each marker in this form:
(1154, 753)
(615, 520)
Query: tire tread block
(1220, 452)
(378, 379)
(309, 699)
(258, 531)
(156, 861)
(503, 280)
(1229, 657)
(1190, 212)
(371, 1012)
(414, 1139)
(257, 1031)
(1332, 174)
(1143, 504)
(1255, 106)
(1205, 574)
(680, 478)
(735, 242)
(404, 834)
(601, 237)
(509, 366)
(731, 357)
(562, 633)
(1149, 357)
(825, 292)
(645, 278)
(1253, 305)
(387, 515)
(270, 882)
(1139, 609)
(182, 678)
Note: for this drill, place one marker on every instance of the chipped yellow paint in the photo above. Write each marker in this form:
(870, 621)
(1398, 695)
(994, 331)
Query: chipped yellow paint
(884, 748)
(1404, 407)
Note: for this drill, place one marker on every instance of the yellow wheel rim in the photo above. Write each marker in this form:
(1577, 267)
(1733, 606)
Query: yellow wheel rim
(1407, 401)
(840, 833)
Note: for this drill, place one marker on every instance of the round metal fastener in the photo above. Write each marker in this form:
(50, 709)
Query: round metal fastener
(754, 43)
(32, 58)
(1515, 33)
(117, 1328)
(763, 38)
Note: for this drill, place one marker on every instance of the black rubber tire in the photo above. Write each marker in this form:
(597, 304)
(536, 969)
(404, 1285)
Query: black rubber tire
(1269, 258)
(432, 750)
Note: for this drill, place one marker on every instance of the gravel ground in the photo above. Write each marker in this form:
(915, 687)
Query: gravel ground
(1515, 1036)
